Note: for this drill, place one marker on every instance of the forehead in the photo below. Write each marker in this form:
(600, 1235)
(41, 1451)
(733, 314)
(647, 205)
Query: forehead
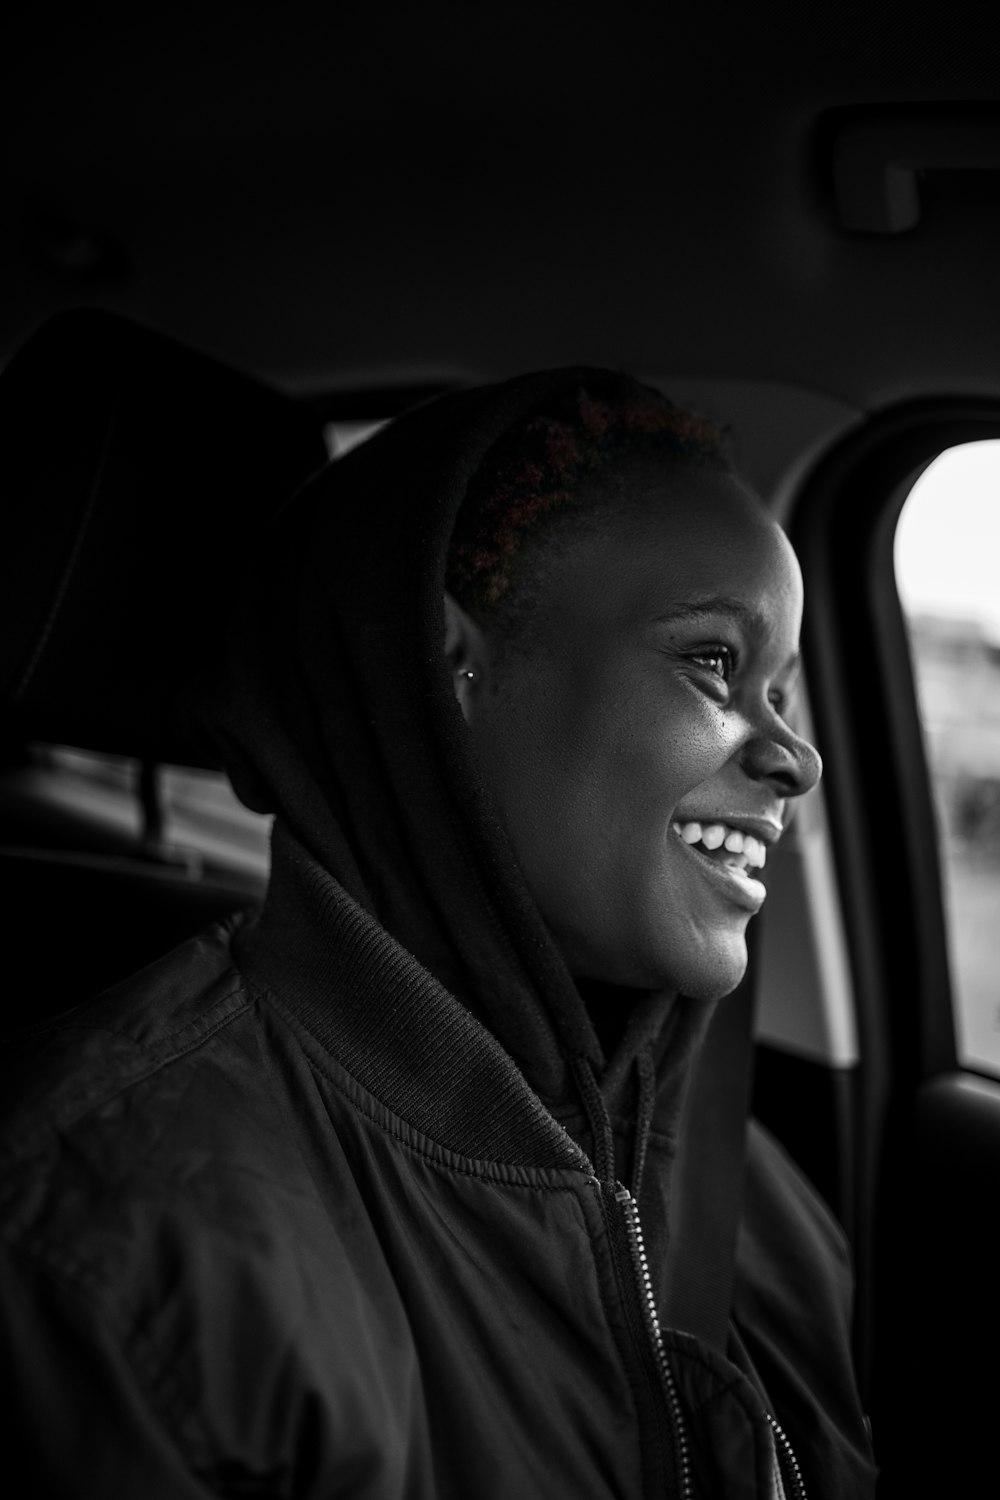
(684, 535)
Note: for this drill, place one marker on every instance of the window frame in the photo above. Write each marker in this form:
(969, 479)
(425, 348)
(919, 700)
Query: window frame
(878, 795)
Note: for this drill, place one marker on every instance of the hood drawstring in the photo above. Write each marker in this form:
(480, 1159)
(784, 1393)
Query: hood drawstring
(646, 1068)
(597, 1118)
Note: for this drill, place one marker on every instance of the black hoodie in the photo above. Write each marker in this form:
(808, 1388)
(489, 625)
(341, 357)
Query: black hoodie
(362, 1227)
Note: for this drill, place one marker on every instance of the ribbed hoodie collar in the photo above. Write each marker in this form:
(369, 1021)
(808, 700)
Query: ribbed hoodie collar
(390, 1023)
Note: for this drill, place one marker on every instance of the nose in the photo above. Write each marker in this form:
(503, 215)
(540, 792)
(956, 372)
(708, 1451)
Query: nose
(778, 755)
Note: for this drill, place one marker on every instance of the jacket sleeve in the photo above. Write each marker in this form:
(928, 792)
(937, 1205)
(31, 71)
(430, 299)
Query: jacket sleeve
(77, 1420)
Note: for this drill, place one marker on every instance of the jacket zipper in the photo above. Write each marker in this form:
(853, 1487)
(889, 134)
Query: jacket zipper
(640, 1269)
(788, 1485)
(788, 1476)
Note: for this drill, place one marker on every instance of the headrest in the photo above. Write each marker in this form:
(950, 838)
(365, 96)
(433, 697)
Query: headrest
(134, 474)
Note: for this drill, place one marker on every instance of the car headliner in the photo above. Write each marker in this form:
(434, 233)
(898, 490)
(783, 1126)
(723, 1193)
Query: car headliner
(429, 192)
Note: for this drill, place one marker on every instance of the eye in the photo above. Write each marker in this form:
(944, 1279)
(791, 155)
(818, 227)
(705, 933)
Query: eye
(719, 660)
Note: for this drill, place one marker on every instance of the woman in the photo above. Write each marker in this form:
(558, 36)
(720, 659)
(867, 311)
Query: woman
(381, 1192)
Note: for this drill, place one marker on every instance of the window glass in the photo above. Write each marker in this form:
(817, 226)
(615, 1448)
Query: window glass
(947, 557)
(203, 823)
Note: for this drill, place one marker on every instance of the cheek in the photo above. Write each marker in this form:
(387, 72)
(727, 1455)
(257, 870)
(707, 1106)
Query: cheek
(658, 759)
(527, 751)
(697, 746)
(573, 762)
(587, 783)
(553, 751)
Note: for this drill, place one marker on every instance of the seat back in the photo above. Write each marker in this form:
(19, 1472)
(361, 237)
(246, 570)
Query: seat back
(136, 475)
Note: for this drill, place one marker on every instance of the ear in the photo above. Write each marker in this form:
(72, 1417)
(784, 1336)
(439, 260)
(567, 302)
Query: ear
(467, 655)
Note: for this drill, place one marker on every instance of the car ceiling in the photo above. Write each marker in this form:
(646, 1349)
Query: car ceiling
(338, 200)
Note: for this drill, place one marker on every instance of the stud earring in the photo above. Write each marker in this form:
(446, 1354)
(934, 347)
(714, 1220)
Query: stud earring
(469, 673)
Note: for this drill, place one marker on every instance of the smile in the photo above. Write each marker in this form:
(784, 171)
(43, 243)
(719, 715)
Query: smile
(730, 846)
(727, 856)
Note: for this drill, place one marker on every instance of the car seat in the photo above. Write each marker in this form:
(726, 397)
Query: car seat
(136, 475)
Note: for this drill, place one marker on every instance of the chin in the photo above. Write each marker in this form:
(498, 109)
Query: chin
(700, 980)
(702, 965)
(711, 972)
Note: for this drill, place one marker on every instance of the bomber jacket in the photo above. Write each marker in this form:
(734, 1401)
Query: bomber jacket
(348, 1200)
(259, 1246)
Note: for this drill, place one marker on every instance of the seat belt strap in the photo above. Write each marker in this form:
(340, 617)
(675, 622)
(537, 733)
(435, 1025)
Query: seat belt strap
(707, 1194)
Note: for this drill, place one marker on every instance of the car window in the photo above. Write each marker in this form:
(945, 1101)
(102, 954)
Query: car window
(947, 560)
(203, 823)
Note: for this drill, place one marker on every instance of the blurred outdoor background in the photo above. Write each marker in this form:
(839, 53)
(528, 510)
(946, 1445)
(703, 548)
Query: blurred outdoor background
(947, 558)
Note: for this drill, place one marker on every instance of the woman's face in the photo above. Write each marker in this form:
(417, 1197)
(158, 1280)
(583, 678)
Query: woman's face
(649, 707)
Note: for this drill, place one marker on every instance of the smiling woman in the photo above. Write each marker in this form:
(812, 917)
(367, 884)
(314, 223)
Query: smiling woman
(624, 659)
(400, 1186)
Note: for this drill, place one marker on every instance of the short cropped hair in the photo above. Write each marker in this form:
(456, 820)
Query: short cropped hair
(557, 474)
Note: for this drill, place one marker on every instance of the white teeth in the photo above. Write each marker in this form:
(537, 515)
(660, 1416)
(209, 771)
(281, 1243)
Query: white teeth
(756, 854)
(714, 835)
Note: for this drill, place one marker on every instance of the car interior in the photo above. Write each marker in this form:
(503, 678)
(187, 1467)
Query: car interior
(237, 240)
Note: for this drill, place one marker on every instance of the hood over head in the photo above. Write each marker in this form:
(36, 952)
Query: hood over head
(340, 718)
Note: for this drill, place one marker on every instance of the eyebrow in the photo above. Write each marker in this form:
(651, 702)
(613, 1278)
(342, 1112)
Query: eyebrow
(752, 620)
(719, 604)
